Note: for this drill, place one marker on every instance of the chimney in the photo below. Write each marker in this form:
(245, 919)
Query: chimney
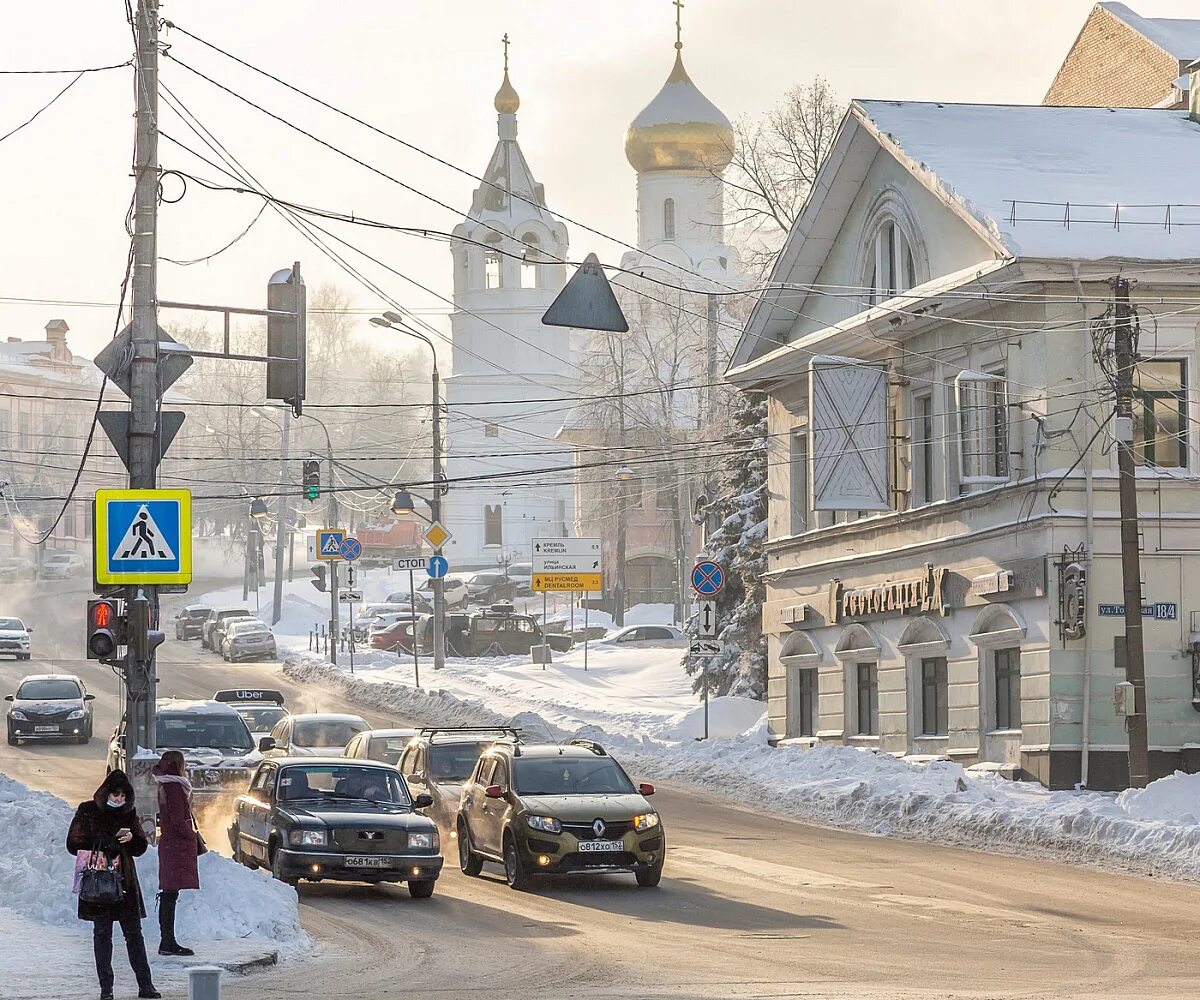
(56, 337)
(1194, 91)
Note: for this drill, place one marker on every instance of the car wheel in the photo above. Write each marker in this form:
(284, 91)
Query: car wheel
(515, 872)
(470, 862)
(422, 889)
(277, 869)
(12, 739)
(650, 877)
(84, 739)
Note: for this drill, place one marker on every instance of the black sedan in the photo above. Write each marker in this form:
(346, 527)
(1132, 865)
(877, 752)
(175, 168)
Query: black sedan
(50, 707)
(328, 818)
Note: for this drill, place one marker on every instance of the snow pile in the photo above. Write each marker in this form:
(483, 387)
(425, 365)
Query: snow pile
(36, 874)
(728, 717)
(1173, 799)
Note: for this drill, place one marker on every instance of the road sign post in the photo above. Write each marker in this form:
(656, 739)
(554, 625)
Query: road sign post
(412, 597)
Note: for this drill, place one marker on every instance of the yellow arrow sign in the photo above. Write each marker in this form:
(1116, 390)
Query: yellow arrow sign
(568, 582)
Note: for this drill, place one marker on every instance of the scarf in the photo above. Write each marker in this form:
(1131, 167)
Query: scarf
(177, 779)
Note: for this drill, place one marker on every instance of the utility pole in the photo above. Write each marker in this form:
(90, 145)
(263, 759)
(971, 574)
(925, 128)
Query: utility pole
(281, 526)
(1137, 725)
(143, 438)
(435, 510)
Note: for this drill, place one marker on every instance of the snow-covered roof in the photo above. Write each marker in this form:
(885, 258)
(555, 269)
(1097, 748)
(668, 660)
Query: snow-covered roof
(1089, 165)
(195, 706)
(1177, 36)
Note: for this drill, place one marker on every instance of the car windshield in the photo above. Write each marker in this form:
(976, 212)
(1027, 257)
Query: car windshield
(48, 690)
(454, 761)
(12, 625)
(186, 731)
(326, 732)
(487, 578)
(570, 776)
(247, 628)
(342, 781)
(262, 719)
(58, 559)
(195, 614)
(387, 748)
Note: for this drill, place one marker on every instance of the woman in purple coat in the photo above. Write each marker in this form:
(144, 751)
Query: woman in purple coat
(177, 868)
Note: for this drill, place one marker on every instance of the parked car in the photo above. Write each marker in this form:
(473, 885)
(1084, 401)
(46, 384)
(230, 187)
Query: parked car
(248, 639)
(16, 566)
(521, 576)
(489, 586)
(384, 745)
(557, 810)
(438, 761)
(215, 616)
(323, 734)
(189, 623)
(260, 708)
(363, 633)
(500, 631)
(50, 707)
(367, 615)
(321, 819)
(14, 638)
(454, 592)
(62, 566)
(400, 635)
(647, 637)
(221, 628)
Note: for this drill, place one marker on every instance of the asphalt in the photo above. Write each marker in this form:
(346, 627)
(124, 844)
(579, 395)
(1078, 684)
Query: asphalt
(751, 905)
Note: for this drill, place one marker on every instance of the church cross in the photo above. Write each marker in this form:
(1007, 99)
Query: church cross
(505, 41)
(678, 25)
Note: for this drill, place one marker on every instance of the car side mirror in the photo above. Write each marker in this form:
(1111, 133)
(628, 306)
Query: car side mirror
(423, 801)
(29, 628)
(494, 791)
(8, 697)
(645, 788)
(89, 697)
(266, 743)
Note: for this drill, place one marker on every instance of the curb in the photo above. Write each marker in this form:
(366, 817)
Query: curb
(263, 958)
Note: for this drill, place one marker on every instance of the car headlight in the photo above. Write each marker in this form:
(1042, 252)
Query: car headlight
(17, 714)
(76, 714)
(547, 824)
(644, 822)
(423, 841)
(308, 838)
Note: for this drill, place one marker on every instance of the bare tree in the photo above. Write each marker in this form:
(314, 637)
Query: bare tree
(775, 161)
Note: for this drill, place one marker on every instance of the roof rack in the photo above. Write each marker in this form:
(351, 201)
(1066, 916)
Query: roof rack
(592, 745)
(513, 742)
(506, 732)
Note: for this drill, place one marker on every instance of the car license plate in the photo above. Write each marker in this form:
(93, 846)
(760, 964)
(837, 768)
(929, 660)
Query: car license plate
(587, 846)
(365, 862)
(45, 729)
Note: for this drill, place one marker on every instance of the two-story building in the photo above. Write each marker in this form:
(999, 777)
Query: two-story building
(944, 572)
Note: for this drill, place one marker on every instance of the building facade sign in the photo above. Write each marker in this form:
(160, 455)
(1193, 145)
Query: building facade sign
(999, 582)
(924, 593)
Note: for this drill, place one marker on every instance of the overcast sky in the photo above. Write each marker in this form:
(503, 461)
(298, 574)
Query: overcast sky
(426, 70)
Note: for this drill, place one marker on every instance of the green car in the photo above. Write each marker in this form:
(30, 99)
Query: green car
(548, 809)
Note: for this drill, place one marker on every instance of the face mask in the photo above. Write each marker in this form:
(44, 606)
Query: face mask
(115, 804)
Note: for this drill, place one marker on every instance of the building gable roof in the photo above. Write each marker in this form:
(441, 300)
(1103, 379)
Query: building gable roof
(1177, 36)
(1057, 183)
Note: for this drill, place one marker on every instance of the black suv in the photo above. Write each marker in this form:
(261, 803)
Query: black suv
(190, 621)
(558, 810)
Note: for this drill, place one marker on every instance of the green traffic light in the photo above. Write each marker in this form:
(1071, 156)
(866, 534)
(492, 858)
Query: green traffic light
(312, 492)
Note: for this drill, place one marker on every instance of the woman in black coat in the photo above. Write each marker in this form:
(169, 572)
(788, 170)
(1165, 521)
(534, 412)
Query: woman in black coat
(109, 824)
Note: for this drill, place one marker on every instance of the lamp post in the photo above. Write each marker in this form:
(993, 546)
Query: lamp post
(394, 321)
(624, 475)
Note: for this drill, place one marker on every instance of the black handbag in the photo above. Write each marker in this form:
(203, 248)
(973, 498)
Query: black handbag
(101, 883)
(201, 846)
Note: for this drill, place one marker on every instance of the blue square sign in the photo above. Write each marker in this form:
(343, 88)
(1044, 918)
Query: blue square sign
(143, 536)
(329, 543)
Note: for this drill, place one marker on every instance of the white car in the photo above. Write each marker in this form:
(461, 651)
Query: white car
(647, 637)
(14, 638)
(319, 734)
(62, 566)
(454, 590)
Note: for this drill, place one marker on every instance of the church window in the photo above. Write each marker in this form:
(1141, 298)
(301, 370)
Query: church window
(529, 265)
(669, 219)
(491, 269)
(890, 264)
(493, 524)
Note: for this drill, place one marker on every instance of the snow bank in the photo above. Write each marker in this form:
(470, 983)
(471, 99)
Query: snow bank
(36, 874)
(727, 717)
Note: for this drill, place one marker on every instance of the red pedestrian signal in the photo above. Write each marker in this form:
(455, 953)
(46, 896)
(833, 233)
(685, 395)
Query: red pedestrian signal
(104, 629)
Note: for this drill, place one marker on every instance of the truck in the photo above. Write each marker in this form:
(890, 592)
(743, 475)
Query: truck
(384, 542)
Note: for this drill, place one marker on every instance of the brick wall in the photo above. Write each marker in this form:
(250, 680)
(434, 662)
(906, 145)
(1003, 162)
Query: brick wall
(1111, 65)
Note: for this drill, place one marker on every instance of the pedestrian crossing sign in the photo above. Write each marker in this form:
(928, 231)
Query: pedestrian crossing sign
(143, 536)
(329, 543)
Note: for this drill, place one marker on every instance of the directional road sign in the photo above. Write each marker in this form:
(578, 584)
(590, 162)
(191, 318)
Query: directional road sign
(350, 596)
(567, 564)
(566, 547)
(437, 535)
(567, 582)
(143, 536)
(707, 578)
(438, 567)
(351, 548)
(413, 563)
(706, 647)
(706, 620)
(329, 543)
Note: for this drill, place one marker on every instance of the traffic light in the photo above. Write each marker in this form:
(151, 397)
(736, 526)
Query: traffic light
(312, 479)
(319, 572)
(105, 629)
(286, 335)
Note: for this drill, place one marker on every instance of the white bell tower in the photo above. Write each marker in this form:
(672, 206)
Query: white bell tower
(507, 271)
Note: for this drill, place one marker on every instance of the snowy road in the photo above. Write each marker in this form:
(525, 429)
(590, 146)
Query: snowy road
(751, 905)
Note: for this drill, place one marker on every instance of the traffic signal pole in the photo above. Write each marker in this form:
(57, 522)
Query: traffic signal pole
(435, 509)
(282, 522)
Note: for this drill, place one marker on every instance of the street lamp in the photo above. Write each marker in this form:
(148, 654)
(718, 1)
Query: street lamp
(258, 509)
(394, 321)
(403, 504)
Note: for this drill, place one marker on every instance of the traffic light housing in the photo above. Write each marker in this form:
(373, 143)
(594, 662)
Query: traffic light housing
(286, 335)
(319, 572)
(312, 479)
(106, 629)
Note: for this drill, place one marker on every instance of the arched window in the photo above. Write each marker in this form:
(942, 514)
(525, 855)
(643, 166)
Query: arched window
(669, 219)
(493, 525)
(890, 263)
(492, 277)
(529, 265)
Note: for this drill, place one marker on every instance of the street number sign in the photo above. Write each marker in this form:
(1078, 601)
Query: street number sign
(412, 563)
(706, 620)
(438, 567)
(708, 578)
(329, 543)
(351, 548)
(143, 536)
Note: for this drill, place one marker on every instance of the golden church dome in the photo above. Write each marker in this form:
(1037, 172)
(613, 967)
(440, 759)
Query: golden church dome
(507, 101)
(680, 129)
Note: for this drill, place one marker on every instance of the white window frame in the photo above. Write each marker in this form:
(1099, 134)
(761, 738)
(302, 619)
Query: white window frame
(974, 415)
(1184, 358)
(798, 509)
(857, 644)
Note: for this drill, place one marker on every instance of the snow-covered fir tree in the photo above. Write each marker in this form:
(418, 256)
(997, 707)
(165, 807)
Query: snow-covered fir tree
(736, 545)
